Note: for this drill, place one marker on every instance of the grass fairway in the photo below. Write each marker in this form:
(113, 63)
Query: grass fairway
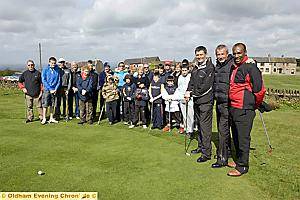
(282, 82)
(120, 163)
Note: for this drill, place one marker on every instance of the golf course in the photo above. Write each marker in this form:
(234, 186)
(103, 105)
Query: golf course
(122, 163)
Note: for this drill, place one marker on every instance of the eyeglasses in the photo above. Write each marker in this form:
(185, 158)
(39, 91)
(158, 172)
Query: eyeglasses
(30, 65)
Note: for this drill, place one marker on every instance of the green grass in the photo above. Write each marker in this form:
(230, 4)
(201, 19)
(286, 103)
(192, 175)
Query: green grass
(120, 163)
(282, 82)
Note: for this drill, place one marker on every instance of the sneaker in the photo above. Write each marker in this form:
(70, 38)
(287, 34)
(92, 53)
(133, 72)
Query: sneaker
(181, 130)
(44, 121)
(144, 126)
(166, 129)
(53, 121)
(70, 118)
(110, 123)
(77, 117)
(28, 121)
(126, 123)
(81, 122)
(131, 126)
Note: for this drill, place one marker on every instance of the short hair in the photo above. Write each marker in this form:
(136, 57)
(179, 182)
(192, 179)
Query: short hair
(30, 61)
(201, 48)
(85, 68)
(90, 62)
(222, 46)
(52, 58)
(241, 45)
(161, 66)
(121, 63)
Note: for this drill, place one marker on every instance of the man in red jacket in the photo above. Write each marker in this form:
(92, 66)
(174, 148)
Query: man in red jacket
(246, 93)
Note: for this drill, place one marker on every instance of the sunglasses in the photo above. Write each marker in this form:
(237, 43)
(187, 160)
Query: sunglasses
(30, 65)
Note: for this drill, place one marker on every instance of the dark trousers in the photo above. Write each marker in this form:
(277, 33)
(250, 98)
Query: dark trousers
(223, 125)
(139, 114)
(203, 114)
(71, 97)
(111, 110)
(128, 111)
(241, 122)
(94, 102)
(157, 115)
(174, 116)
(86, 110)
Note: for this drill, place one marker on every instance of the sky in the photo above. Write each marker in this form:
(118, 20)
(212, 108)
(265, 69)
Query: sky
(115, 30)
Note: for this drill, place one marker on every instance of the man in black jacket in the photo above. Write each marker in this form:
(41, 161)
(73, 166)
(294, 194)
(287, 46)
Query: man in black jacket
(221, 88)
(201, 89)
(94, 77)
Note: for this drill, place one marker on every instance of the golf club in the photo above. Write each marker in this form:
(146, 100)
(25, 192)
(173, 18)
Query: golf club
(25, 107)
(266, 133)
(67, 107)
(170, 115)
(151, 117)
(101, 112)
(186, 148)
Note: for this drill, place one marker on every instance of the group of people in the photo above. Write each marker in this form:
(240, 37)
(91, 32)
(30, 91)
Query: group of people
(180, 95)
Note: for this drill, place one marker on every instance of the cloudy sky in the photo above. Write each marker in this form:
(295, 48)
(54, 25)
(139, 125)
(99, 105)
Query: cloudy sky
(113, 30)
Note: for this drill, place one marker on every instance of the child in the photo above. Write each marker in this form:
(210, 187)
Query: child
(141, 97)
(157, 101)
(111, 95)
(128, 97)
(183, 82)
(171, 103)
(84, 85)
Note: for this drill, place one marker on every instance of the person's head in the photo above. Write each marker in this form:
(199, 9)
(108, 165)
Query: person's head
(85, 70)
(170, 80)
(173, 67)
(178, 67)
(90, 64)
(106, 67)
(167, 65)
(121, 66)
(200, 53)
(30, 65)
(222, 53)
(146, 68)
(185, 68)
(127, 78)
(239, 51)
(61, 62)
(141, 71)
(74, 66)
(156, 70)
(52, 62)
(161, 68)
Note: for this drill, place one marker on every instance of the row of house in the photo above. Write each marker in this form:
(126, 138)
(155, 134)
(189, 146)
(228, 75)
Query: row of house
(267, 65)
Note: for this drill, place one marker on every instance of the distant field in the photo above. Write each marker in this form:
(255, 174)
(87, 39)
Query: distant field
(282, 82)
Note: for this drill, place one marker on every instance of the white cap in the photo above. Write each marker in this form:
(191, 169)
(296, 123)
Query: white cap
(61, 60)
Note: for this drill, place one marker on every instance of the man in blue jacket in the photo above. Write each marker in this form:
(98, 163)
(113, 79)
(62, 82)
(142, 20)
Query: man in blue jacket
(51, 82)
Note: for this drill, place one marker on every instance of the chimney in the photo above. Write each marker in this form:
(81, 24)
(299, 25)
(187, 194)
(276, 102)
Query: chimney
(269, 57)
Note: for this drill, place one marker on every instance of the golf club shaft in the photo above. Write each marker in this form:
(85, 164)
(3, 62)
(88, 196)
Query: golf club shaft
(265, 129)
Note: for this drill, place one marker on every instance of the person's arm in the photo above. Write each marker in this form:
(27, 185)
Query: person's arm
(44, 79)
(164, 93)
(21, 82)
(150, 93)
(257, 85)
(58, 83)
(145, 95)
(69, 80)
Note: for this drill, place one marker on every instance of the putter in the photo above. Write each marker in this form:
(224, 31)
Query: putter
(170, 115)
(186, 148)
(151, 117)
(101, 112)
(67, 108)
(266, 133)
(25, 107)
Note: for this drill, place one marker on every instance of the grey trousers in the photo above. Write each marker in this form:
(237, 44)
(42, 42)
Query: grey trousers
(30, 101)
(189, 127)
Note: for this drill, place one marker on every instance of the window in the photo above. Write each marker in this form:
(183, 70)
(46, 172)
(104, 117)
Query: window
(293, 72)
(274, 64)
(267, 70)
(274, 70)
(262, 64)
(280, 70)
(262, 69)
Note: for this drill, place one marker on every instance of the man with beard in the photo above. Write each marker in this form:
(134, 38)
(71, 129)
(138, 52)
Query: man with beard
(201, 89)
(246, 94)
(221, 88)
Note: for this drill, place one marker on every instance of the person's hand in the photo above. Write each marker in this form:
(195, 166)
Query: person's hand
(67, 92)
(151, 100)
(169, 100)
(40, 95)
(129, 98)
(74, 89)
(187, 96)
(24, 90)
(52, 91)
(83, 92)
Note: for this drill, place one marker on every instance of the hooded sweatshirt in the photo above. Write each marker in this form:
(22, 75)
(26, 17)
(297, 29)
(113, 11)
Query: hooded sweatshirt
(51, 78)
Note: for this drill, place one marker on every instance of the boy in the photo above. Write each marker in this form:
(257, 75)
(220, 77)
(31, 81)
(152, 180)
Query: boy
(128, 95)
(157, 101)
(111, 95)
(84, 85)
(183, 81)
(51, 82)
(141, 97)
(171, 104)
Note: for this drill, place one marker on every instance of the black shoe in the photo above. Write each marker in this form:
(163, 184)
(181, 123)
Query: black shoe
(91, 122)
(202, 159)
(218, 165)
(81, 122)
(195, 151)
(28, 121)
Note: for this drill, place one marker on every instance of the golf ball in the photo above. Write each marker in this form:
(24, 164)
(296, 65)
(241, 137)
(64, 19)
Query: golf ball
(40, 172)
